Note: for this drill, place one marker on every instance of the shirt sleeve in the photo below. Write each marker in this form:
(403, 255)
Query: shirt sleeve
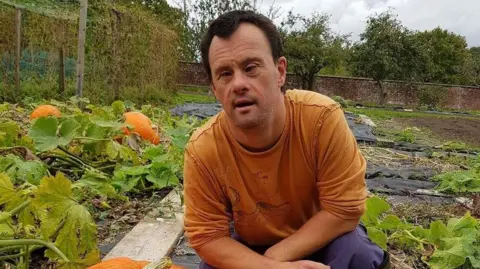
(206, 217)
(340, 167)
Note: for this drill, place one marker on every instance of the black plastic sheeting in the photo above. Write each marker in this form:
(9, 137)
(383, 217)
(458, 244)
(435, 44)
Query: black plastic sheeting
(363, 132)
(201, 111)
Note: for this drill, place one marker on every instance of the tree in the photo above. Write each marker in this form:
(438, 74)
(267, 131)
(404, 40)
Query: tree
(448, 56)
(387, 50)
(475, 53)
(202, 12)
(311, 46)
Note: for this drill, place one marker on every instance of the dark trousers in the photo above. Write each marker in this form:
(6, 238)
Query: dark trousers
(353, 250)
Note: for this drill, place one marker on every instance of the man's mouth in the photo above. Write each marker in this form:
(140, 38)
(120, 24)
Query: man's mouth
(244, 103)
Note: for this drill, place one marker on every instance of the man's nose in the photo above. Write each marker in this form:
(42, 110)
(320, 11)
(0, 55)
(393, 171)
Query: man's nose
(239, 83)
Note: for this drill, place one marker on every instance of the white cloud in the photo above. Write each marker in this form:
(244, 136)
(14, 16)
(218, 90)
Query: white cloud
(349, 16)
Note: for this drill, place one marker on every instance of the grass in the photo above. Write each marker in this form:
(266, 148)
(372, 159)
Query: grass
(183, 97)
(385, 114)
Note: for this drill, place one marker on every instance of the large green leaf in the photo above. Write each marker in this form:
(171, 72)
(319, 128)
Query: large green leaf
(8, 133)
(44, 133)
(5, 231)
(467, 221)
(438, 231)
(153, 152)
(68, 131)
(8, 164)
(98, 132)
(124, 183)
(449, 258)
(459, 181)
(77, 235)
(378, 237)
(475, 260)
(21, 171)
(375, 207)
(103, 118)
(391, 222)
(112, 149)
(96, 182)
(7, 191)
(31, 172)
(162, 175)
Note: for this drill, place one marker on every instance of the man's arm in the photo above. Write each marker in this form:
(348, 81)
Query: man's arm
(312, 236)
(341, 187)
(229, 253)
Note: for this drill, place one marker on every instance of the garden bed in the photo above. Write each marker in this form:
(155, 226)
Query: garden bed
(74, 182)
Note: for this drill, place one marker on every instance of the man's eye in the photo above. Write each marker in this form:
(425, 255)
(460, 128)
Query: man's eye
(251, 68)
(225, 74)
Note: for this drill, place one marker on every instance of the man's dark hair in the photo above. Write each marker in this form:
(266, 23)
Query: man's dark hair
(226, 24)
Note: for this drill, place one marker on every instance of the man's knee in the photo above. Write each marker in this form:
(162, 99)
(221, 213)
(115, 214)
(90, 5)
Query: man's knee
(358, 250)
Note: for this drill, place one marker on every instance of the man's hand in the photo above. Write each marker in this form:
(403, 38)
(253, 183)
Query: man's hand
(304, 265)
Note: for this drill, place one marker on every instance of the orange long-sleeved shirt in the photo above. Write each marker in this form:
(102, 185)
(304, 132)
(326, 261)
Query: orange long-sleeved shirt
(315, 165)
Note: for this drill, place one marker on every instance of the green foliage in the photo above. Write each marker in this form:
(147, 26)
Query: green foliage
(387, 50)
(475, 61)
(48, 135)
(454, 244)
(447, 55)
(312, 46)
(463, 181)
(202, 12)
(130, 52)
(344, 103)
(50, 216)
(77, 235)
(92, 162)
(406, 135)
(21, 171)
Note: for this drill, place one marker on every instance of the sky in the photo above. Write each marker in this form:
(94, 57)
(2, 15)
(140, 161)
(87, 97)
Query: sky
(349, 16)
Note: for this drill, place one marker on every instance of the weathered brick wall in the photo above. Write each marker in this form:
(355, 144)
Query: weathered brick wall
(356, 89)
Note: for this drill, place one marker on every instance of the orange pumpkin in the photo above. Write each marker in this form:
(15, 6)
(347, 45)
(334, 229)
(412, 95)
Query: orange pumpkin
(120, 263)
(127, 263)
(142, 125)
(174, 266)
(45, 110)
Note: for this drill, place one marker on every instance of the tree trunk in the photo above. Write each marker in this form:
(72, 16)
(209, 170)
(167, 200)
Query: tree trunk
(311, 82)
(383, 94)
(18, 27)
(304, 83)
(81, 46)
(115, 57)
(61, 70)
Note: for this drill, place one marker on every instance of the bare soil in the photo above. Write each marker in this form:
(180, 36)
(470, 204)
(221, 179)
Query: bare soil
(466, 130)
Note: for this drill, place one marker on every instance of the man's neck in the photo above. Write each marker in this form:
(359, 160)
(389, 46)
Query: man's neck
(265, 136)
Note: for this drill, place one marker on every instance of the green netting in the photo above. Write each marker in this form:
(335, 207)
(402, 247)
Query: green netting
(128, 55)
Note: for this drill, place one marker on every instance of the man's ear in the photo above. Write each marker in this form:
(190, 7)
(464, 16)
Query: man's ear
(282, 70)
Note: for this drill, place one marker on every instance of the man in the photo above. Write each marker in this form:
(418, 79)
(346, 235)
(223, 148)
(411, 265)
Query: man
(283, 167)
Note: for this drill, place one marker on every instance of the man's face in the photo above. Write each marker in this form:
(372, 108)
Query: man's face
(245, 78)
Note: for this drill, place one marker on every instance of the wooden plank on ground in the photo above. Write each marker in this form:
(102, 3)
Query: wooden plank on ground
(154, 237)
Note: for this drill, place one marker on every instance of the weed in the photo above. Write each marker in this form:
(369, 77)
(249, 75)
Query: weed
(406, 135)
